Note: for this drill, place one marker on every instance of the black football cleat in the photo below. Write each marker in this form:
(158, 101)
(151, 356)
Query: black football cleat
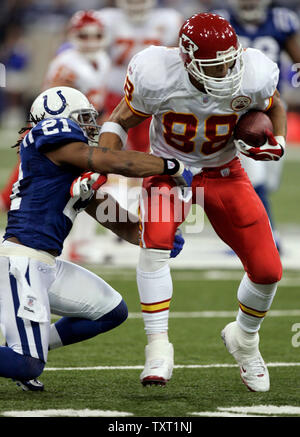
(31, 385)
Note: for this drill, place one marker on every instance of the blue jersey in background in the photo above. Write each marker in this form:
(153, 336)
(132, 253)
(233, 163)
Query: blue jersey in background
(269, 36)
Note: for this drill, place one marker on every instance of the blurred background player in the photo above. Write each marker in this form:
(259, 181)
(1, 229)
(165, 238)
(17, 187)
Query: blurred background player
(132, 26)
(81, 63)
(274, 31)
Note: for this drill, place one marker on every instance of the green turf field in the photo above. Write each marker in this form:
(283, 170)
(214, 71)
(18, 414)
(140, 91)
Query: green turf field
(197, 342)
(101, 375)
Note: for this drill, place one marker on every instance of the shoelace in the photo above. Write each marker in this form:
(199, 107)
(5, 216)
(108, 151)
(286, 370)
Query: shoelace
(256, 367)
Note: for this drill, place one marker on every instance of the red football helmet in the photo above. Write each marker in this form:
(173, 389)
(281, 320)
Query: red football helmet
(87, 32)
(208, 40)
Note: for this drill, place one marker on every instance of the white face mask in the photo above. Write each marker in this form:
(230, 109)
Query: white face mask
(220, 87)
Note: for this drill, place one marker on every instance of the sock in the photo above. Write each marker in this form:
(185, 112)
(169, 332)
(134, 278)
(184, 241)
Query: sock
(155, 291)
(254, 302)
(69, 330)
(161, 336)
(18, 366)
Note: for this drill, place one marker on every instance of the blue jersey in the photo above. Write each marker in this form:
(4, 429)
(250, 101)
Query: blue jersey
(270, 36)
(42, 211)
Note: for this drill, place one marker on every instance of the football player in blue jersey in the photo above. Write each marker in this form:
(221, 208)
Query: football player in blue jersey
(271, 30)
(34, 283)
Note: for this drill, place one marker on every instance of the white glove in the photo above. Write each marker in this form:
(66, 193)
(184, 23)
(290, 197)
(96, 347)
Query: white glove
(272, 150)
(86, 184)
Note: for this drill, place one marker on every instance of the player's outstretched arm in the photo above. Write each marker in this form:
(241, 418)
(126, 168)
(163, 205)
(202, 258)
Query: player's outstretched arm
(121, 222)
(126, 163)
(277, 114)
(114, 131)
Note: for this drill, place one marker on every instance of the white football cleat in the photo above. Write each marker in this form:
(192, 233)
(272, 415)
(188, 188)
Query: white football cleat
(253, 370)
(159, 363)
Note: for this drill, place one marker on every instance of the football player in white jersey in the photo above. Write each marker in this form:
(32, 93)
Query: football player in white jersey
(85, 65)
(139, 24)
(195, 95)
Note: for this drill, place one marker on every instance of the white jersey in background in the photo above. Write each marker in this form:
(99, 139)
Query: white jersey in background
(198, 129)
(126, 38)
(74, 69)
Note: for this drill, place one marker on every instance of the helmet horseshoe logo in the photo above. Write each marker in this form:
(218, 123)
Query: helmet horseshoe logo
(59, 110)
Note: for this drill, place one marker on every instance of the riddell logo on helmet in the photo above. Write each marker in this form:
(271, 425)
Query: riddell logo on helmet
(187, 45)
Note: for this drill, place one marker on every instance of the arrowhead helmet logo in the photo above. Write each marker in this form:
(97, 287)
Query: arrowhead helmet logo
(59, 110)
(187, 45)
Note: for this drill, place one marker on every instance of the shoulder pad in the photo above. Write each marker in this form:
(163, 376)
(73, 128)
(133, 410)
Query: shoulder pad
(58, 132)
(261, 73)
(160, 77)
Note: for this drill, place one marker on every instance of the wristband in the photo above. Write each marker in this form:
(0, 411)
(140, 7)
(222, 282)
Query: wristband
(280, 140)
(172, 167)
(115, 128)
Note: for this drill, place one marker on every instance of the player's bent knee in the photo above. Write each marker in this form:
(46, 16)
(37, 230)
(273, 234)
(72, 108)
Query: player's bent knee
(151, 260)
(120, 313)
(114, 318)
(267, 275)
(27, 367)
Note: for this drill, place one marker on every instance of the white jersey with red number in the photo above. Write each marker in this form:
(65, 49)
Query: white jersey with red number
(126, 38)
(186, 123)
(72, 68)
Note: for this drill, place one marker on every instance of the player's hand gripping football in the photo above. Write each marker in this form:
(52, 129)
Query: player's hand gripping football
(86, 184)
(272, 150)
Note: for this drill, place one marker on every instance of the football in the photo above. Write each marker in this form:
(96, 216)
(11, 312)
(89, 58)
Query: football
(251, 128)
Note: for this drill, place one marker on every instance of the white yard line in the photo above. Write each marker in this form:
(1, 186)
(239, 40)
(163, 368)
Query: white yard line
(210, 314)
(217, 314)
(178, 366)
